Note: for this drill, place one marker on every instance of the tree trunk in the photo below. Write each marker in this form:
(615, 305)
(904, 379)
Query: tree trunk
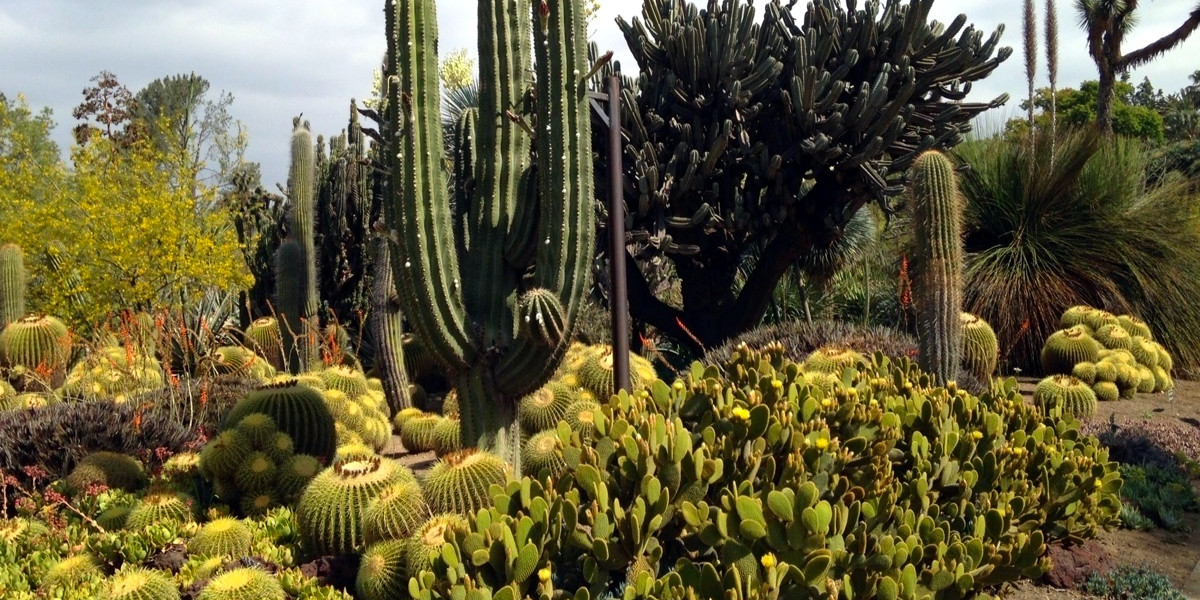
(387, 326)
(1104, 99)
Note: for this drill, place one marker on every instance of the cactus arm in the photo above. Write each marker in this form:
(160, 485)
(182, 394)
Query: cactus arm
(566, 230)
(425, 264)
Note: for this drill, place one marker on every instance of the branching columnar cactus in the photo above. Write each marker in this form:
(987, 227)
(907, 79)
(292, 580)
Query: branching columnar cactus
(938, 264)
(521, 214)
(12, 284)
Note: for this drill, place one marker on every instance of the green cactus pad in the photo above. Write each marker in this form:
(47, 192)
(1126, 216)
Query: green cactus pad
(294, 474)
(581, 417)
(427, 541)
(1135, 327)
(330, 512)
(258, 429)
(541, 317)
(1067, 347)
(833, 360)
(257, 473)
(1106, 391)
(298, 410)
(225, 536)
(1085, 372)
(447, 436)
(381, 574)
(39, 344)
(71, 571)
(243, 584)
(1114, 337)
(256, 504)
(223, 455)
(543, 450)
(416, 433)
(544, 408)
(139, 583)
(345, 379)
(158, 507)
(398, 510)
(112, 469)
(460, 481)
(980, 351)
(1074, 396)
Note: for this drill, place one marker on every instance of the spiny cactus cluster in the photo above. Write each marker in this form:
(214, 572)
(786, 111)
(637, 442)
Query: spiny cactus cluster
(1114, 354)
(254, 466)
(34, 350)
(297, 410)
(358, 406)
(113, 373)
(745, 476)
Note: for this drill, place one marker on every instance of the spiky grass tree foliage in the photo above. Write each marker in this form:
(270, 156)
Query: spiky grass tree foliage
(225, 536)
(245, 583)
(139, 583)
(1068, 347)
(38, 347)
(460, 481)
(12, 284)
(544, 408)
(298, 410)
(531, 228)
(330, 512)
(395, 513)
(980, 350)
(382, 574)
(1081, 227)
(1072, 395)
(112, 469)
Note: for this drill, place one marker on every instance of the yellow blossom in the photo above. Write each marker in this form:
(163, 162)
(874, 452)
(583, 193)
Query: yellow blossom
(777, 384)
(544, 574)
(678, 385)
(741, 414)
(977, 435)
(768, 560)
(822, 443)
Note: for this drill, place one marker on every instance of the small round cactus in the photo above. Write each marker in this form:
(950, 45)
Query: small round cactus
(382, 574)
(258, 428)
(1135, 327)
(1066, 348)
(139, 583)
(223, 455)
(416, 433)
(543, 450)
(263, 337)
(298, 411)
(39, 346)
(294, 474)
(257, 473)
(833, 360)
(1074, 396)
(256, 504)
(345, 379)
(71, 571)
(225, 536)
(111, 469)
(581, 417)
(1106, 391)
(427, 541)
(330, 512)
(544, 408)
(460, 481)
(1113, 337)
(1075, 315)
(1144, 352)
(114, 517)
(447, 436)
(398, 510)
(597, 374)
(243, 584)
(980, 351)
(157, 507)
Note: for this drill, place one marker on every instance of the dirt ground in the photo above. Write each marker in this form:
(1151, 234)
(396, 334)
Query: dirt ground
(1165, 422)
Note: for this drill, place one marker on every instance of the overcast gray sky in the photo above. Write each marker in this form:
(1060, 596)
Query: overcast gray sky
(281, 58)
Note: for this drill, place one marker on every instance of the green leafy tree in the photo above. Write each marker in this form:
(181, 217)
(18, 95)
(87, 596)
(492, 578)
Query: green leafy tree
(1077, 107)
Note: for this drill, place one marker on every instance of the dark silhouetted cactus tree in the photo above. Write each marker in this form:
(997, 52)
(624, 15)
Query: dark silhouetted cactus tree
(529, 225)
(772, 133)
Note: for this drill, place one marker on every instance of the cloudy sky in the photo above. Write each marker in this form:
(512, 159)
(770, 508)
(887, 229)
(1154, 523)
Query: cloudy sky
(280, 59)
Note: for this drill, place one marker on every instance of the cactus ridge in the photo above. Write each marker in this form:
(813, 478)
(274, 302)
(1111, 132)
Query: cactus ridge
(71, 571)
(1134, 326)
(1074, 396)
(460, 481)
(427, 541)
(938, 264)
(981, 350)
(39, 343)
(544, 450)
(544, 408)
(398, 510)
(157, 507)
(330, 512)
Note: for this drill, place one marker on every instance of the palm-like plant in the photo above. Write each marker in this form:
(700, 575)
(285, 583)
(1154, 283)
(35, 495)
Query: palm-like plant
(1081, 227)
(1106, 23)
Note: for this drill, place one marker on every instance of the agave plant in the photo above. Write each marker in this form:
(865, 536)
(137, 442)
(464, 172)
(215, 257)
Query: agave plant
(1074, 222)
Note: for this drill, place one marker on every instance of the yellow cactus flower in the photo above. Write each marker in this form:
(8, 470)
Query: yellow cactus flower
(822, 443)
(741, 414)
(768, 560)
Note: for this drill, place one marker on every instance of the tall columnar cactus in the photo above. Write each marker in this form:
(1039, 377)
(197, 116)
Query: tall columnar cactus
(298, 297)
(12, 284)
(938, 254)
(520, 214)
(289, 295)
(388, 328)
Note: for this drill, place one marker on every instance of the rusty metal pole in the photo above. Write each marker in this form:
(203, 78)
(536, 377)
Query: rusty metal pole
(619, 300)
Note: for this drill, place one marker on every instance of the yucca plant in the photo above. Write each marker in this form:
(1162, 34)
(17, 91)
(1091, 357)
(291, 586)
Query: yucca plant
(1071, 222)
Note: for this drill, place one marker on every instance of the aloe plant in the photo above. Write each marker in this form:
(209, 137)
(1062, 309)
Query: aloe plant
(529, 226)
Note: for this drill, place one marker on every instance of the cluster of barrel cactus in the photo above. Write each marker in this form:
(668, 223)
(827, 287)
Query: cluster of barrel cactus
(113, 373)
(748, 479)
(1115, 356)
(254, 465)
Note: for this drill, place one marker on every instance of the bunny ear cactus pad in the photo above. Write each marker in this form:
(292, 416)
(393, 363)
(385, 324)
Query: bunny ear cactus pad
(298, 410)
(40, 344)
(381, 574)
(1074, 396)
(243, 584)
(141, 584)
(1066, 348)
(460, 481)
(980, 350)
(330, 512)
(225, 536)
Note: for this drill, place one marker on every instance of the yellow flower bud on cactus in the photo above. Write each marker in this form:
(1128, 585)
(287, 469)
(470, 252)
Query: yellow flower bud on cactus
(741, 414)
(768, 560)
(977, 435)
(826, 402)
(544, 574)
(777, 384)
(678, 385)
(822, 443)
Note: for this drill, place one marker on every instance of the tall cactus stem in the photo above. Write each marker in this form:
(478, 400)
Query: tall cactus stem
(388, 327)
(12, 284)
(938, 264)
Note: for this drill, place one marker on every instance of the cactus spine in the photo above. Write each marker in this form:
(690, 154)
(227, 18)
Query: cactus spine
(937, 207)
(518, 212)
(12, 284)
